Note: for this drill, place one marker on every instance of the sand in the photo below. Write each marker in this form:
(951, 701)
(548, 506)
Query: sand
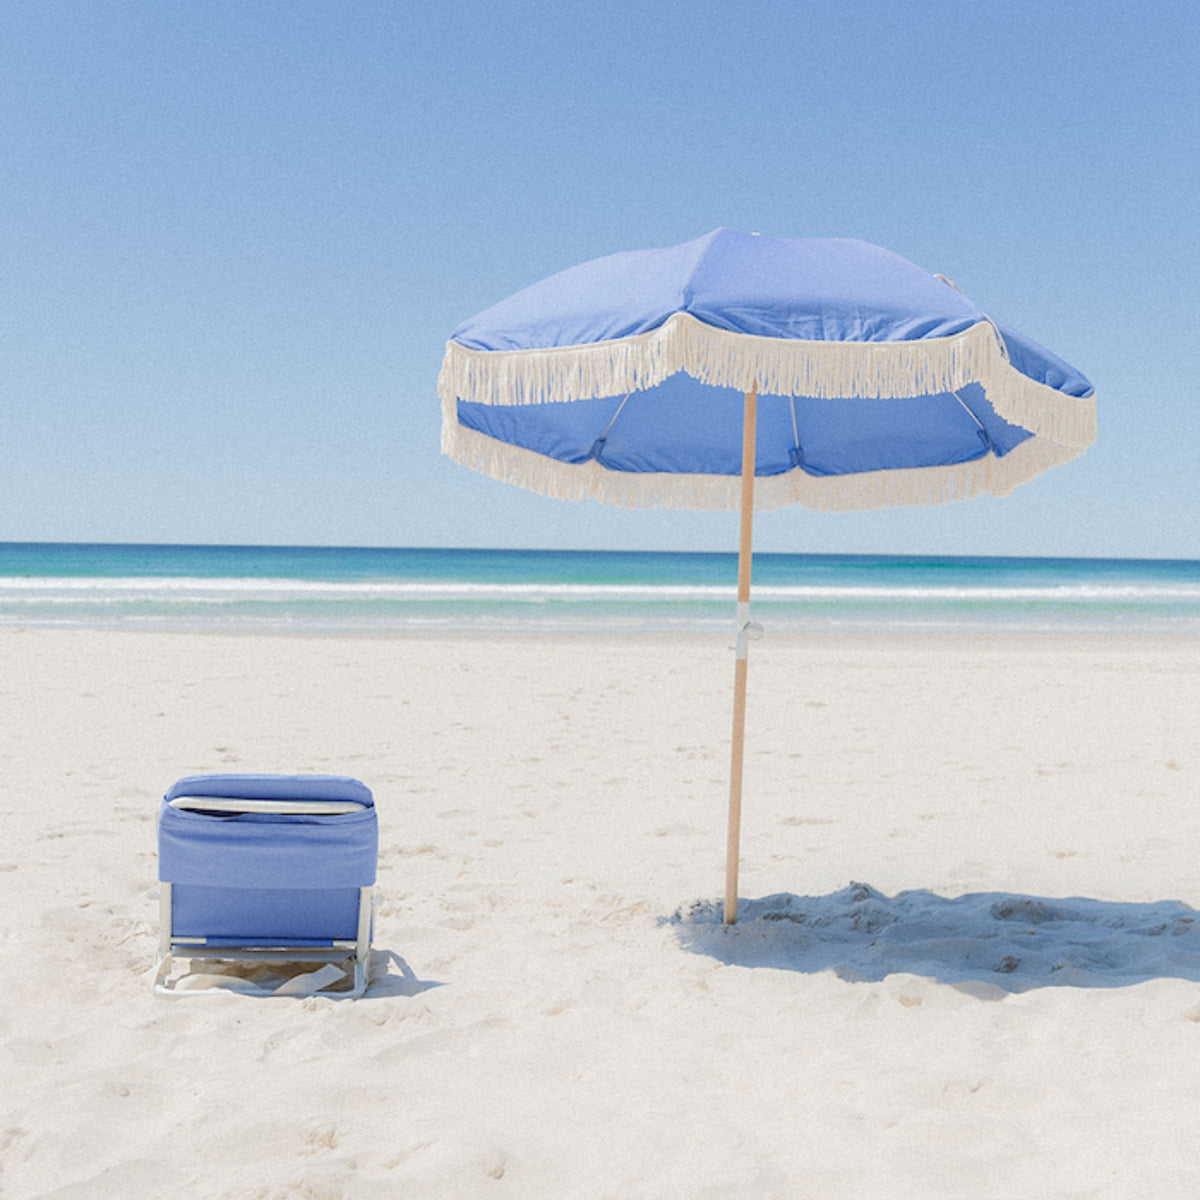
(967, 964)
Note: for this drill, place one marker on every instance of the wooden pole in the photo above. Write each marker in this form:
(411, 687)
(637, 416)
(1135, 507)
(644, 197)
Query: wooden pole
(737, 752)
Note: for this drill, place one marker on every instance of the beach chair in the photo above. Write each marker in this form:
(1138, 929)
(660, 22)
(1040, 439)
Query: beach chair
(267, 869)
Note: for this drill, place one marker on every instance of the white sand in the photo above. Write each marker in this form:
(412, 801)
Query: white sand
(544, 1027)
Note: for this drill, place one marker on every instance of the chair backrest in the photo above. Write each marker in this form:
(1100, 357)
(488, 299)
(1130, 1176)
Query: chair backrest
(289, 870)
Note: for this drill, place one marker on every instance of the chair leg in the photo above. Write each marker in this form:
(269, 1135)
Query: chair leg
(164, 919)
(164, 937)
(362, 949)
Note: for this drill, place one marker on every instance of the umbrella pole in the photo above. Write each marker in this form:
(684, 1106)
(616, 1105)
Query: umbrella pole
(737, 752)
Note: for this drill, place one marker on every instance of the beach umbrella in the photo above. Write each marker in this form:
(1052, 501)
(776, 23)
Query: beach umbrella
(738, 372)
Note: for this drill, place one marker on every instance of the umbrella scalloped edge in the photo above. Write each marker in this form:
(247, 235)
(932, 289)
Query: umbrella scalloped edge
(778, 366)
(832, 493)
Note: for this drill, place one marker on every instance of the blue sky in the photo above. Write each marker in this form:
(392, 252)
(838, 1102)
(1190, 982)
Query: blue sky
(234, 237)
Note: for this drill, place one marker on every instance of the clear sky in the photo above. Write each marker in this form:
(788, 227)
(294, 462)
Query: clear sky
(235, 235)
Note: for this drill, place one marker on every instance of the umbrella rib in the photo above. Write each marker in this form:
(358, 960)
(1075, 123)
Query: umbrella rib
(987, 437)
(797, 457)
(613, 419)
(598, 444)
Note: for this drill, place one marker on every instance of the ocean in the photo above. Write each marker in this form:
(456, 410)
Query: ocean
(319, 590)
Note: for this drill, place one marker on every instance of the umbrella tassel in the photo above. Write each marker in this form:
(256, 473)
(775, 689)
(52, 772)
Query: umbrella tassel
(774, 366)
(831, 493)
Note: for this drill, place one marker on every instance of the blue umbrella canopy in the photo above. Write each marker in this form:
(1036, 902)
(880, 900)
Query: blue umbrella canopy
(739, 372)
(878, 383)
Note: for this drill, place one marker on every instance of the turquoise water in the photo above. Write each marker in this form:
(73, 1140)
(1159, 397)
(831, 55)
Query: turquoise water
(340, 590)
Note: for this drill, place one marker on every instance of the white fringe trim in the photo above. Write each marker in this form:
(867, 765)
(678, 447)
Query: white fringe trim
(778, 366)
(840, 493)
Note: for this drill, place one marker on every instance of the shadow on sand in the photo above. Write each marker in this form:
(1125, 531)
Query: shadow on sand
(986, 944)
(402, 981)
